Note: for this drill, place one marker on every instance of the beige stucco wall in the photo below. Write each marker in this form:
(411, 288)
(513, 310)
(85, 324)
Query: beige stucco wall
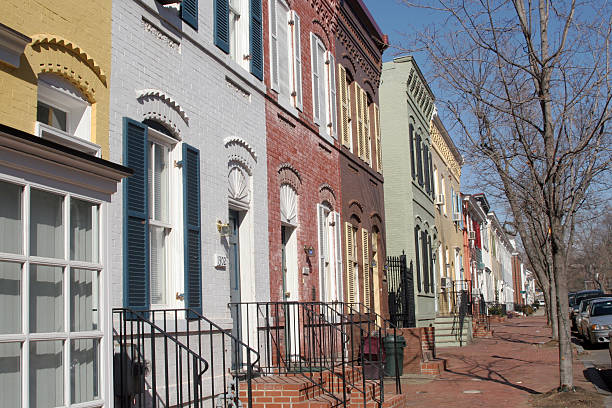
(446, 165)
(69, 38)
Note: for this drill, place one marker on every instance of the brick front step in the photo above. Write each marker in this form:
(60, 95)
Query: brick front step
(433, 367)
(294, 390)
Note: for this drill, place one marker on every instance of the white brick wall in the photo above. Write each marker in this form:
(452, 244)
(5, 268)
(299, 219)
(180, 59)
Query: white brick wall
(190, 69)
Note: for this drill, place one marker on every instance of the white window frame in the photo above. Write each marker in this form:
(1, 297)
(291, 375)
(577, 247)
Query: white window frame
(174, 239)
(239, 33)
(57, 93)
(25, 338)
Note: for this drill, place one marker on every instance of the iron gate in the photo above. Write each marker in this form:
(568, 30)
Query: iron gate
(400, 286)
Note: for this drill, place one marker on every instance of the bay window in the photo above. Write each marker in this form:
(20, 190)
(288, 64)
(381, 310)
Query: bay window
(50, 328)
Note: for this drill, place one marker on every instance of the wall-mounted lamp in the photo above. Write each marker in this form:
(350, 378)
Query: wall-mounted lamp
(309, 250)
(223, 229)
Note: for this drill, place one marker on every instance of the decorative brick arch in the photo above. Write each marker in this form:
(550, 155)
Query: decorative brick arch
(241, 152)
(160, 107)
(355, 206)
(326, 193)
(53, 54)
(287, 174)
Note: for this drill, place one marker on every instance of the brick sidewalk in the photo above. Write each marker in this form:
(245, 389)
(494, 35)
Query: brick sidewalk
(503, 371)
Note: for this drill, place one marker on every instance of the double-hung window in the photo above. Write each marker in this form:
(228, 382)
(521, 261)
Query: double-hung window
(323, 87)
(51, 325)
(160, 218)
(238, 31)
(285, 53)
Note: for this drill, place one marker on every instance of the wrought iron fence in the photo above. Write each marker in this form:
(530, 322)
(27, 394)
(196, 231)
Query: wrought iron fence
(400, 287)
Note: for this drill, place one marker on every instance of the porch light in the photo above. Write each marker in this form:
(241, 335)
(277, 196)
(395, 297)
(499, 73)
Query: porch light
(309, 250)
(223, 229)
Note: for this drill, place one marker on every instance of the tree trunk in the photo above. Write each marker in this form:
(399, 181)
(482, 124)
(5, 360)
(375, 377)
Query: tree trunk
(566, 377)
(552, 310)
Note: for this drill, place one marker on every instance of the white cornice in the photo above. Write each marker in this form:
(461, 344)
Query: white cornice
(12, 45)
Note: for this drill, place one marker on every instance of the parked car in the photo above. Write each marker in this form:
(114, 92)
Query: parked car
(582, 313)
(598, 322)
(584, 294)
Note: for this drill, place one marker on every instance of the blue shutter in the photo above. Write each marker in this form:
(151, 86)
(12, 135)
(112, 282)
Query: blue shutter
(256, 37)
(135, 217)
(192, 232)
(189, 12)
(221, 30)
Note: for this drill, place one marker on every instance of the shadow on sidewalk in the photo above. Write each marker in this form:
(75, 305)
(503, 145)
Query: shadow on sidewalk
(491, 372)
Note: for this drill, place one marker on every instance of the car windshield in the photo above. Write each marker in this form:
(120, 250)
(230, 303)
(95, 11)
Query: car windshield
(602, 308)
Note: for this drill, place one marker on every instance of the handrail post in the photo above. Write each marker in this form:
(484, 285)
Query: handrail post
(249, 378)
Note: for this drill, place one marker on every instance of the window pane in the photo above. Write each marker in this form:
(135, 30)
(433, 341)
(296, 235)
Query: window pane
(10, 298)
(46, 374)
(10, 376)
(158, 265)
(51, 116)
(46, 229)
(11, 235)
(161, 183)
(84, 370)
(46, 299)
(84, 291)
(83, 231)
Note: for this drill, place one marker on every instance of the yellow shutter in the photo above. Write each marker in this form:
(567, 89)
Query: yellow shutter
(344, 107)
(350, 265)
(365, 245)
(377, 141)
(367, 141)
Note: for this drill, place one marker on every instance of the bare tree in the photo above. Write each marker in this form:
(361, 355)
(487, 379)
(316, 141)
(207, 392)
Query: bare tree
(528, 85)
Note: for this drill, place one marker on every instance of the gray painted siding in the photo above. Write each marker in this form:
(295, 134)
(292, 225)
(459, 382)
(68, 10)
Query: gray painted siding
(151, 51)
(406, 203)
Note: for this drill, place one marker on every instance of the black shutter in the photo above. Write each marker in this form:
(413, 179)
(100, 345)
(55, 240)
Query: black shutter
(192, 231)
(417, 262)
(189, 12)
(135, 217)
(411, 150)
(221, 29)
(256, 36)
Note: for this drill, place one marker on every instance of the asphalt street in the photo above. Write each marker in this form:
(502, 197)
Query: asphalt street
(597, 366)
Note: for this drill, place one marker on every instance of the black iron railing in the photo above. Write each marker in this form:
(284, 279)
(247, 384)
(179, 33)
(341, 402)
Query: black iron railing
(162, 359)
(337, 346)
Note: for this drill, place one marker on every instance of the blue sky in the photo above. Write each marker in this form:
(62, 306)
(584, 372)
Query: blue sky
(399, 21)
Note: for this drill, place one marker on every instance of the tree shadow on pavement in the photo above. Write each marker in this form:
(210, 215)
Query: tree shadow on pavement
(491, 372)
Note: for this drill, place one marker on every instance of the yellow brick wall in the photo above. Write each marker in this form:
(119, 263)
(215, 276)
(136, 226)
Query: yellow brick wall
(71, 38)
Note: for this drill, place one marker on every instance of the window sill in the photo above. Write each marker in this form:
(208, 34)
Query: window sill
(61, 137)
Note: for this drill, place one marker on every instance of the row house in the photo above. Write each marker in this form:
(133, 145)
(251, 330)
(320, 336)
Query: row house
(249, 137)
(407, 104)
(501, 259)
(475, 249)
(447, 163)
(523, 280)
(359, 47)
(58, 183)
(304, 195)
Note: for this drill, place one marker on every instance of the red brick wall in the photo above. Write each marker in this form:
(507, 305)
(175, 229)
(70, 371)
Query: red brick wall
(296, 141)
(420, 347)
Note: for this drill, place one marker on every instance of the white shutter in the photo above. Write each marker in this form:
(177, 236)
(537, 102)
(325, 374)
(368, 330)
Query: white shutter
(338, 248)
(359, 106)
(274, 46)
(344, 107)
(367, 140)
(297, 61)
(284, 50)
(323, 249)
(323, 100)
(332, 95)
(315, 78)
